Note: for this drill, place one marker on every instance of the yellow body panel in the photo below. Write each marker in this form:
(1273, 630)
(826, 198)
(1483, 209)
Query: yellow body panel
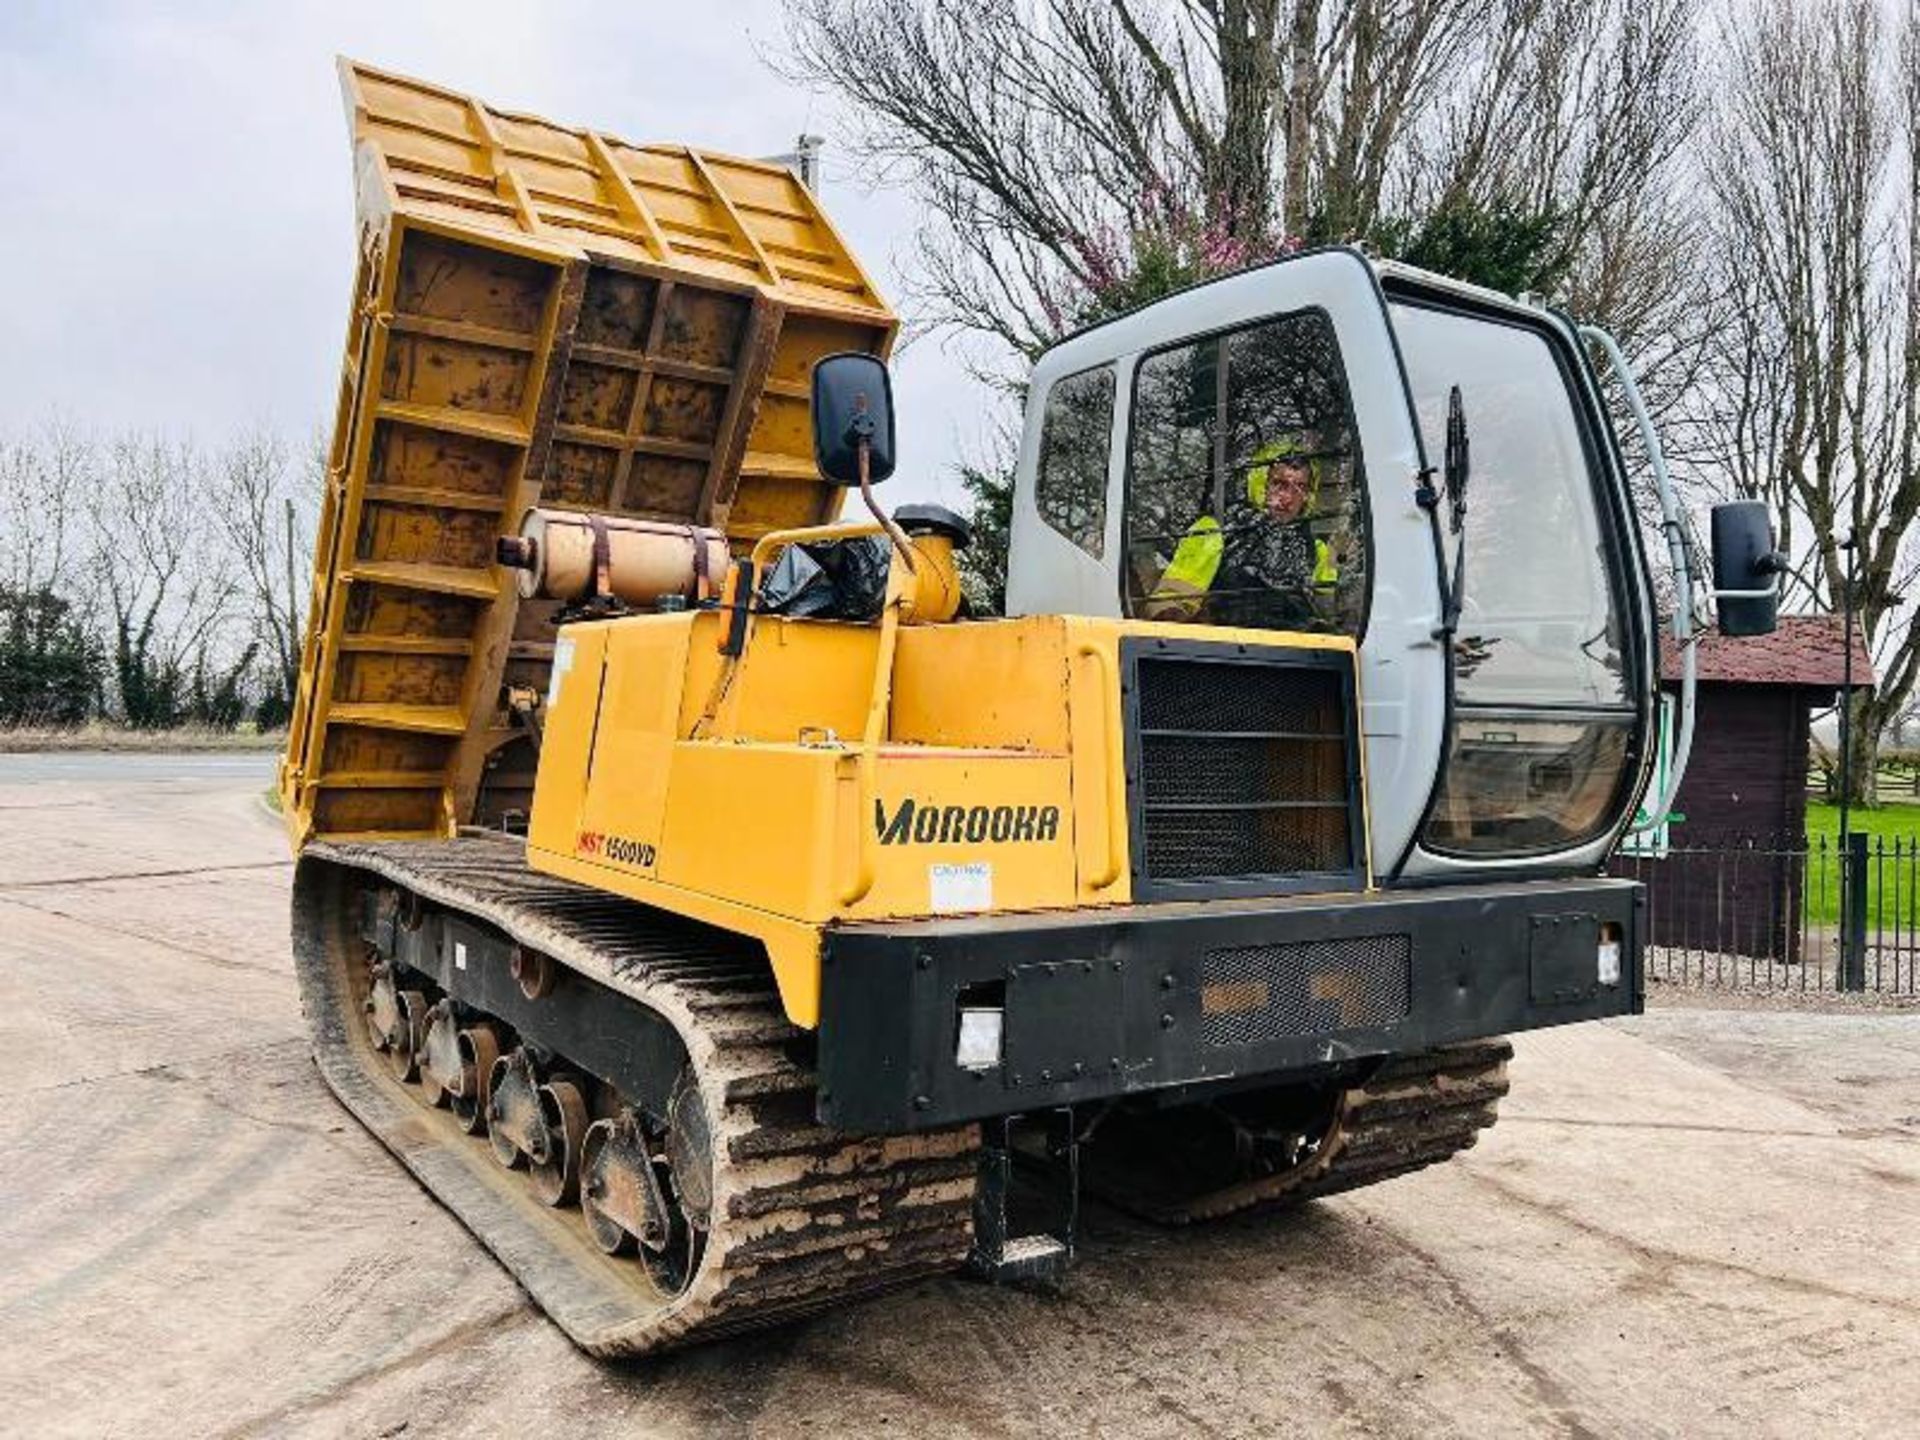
(991, 684)
(736, 793)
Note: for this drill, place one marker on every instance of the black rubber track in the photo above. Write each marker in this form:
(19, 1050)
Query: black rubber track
(803, 1217)
(1413, 1112)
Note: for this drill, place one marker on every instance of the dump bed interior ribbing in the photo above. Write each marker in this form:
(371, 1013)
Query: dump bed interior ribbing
(541, 315)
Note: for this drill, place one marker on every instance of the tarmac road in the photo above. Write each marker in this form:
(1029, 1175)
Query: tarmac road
(1695, 1223)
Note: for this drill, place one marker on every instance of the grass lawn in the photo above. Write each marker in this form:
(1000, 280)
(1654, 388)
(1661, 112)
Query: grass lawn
(99, 735)
(1893, 884)
(1897, 819)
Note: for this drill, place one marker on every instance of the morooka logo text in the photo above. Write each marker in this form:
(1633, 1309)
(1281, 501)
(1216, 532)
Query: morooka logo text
(915, 823)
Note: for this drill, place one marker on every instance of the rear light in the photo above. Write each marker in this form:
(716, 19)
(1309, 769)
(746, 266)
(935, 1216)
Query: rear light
(1609, 959)
(979, 1044)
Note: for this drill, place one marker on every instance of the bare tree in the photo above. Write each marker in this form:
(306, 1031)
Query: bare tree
(1584, 109)
(43, 476)
(265, 506)
(1038, 130)
(145, 574)
(51, 662)
(163, 573)
(1811, 401)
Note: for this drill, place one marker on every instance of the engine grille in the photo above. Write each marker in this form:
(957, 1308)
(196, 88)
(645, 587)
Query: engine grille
(1253, 993)
(1243, 770)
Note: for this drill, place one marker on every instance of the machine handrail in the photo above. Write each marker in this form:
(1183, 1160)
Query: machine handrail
(1672, 526)
(879, 705)
(807, 534)
(1111, 756)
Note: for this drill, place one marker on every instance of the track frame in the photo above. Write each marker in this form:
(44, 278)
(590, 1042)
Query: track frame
(606, 1033)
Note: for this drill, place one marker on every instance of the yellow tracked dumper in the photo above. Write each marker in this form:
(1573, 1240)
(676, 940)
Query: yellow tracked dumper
(713, 914)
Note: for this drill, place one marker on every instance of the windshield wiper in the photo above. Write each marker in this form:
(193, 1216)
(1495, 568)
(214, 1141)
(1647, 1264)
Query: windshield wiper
(1454, 476)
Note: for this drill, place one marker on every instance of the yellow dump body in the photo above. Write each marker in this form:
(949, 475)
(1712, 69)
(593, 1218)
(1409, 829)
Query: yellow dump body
(540, 315)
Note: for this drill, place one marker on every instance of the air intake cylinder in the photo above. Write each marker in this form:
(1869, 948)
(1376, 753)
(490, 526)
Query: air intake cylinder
(564, 555)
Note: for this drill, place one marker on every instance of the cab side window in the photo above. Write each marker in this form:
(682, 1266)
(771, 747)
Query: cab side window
(1070, 490)
(1245, 496)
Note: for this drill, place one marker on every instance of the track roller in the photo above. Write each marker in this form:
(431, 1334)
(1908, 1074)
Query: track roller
(514, 1127)
(556, 1173)
(395, 1019)
(541, 1126)
(479, 1050)
(440, 1054)
(619, 1188)
(630, 1191)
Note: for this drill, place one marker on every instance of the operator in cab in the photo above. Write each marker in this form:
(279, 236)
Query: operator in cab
(1267, 565)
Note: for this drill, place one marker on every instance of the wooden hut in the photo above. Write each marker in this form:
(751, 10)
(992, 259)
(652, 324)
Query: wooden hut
(1729, 881)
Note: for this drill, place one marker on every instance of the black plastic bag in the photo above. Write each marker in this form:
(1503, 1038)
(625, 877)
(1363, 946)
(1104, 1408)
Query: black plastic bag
(834, 580)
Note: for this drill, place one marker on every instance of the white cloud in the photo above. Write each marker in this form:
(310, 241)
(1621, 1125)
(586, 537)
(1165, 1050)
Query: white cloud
(179, 237)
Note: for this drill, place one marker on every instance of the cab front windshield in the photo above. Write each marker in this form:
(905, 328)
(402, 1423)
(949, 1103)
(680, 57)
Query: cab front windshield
(1543, 710)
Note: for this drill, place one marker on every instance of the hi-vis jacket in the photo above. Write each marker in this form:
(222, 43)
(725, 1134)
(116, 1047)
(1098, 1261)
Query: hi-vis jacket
(1257, 553)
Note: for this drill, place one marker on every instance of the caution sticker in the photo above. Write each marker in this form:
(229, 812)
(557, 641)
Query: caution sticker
(961, 887)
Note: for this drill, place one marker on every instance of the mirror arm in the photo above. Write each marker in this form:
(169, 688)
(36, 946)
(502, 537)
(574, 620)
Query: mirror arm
(893, 531)
(1773, 563)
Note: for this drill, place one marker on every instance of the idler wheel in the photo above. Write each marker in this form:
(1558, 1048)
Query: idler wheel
(690, 1149)
(556, 1173)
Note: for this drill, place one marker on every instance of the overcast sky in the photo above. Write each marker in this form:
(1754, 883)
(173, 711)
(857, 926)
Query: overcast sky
(178, 229)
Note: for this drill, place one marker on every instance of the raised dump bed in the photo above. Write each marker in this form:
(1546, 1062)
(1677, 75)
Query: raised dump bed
(541, 315)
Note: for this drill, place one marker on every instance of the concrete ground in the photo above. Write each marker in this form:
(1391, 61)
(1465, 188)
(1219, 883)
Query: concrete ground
(1700, 1222)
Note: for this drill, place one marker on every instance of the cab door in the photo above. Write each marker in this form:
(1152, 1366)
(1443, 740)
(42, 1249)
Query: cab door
(1552, 683)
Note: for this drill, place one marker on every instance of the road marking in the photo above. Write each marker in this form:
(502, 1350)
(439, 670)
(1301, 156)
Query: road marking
(144, 875)
(1689, 1126)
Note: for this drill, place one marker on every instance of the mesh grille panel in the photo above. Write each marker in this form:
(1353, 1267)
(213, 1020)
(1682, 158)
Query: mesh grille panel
(1243, 769)
(1216, 695)
(1209, 767)
(1253, 993)
(1207, 844)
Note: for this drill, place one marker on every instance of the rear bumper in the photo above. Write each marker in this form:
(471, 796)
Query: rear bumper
(1154, 997)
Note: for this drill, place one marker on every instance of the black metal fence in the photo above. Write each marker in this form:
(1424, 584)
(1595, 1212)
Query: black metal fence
(1792, 914)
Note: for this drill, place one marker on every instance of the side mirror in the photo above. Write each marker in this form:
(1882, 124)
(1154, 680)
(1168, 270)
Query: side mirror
(1745, 567)
(852, 410)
